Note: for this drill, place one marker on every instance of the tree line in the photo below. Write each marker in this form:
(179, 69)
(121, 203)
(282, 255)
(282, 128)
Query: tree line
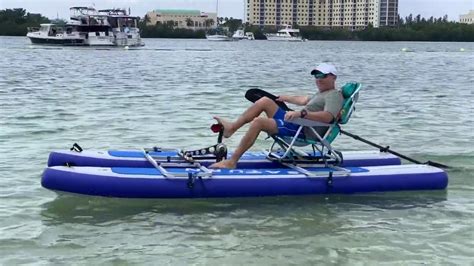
(410, 28)
(14, 22)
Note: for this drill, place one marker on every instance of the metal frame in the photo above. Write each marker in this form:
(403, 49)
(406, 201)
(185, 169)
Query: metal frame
(321, 144)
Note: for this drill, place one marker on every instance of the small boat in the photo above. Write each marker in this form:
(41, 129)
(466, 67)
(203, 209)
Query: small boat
(219, 38)
(286, 34)
(49, 33)
(168, 173)
(250, 35)
(242, 35)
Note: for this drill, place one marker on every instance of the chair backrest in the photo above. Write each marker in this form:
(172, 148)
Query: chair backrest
(350, 92)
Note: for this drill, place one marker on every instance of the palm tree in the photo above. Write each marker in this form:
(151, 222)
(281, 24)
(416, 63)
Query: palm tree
(189, 22)
(208, 23)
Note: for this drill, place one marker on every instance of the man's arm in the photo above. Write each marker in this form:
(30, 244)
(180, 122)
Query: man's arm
(298, 100)
(320, 116)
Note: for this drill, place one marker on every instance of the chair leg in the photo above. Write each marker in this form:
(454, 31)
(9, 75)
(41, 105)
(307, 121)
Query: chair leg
(292, 142)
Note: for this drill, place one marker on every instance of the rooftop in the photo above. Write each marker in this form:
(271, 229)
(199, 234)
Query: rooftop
(178, 12)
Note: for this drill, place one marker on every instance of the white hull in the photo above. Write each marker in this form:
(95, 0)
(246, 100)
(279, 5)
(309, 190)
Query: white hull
(85, 39)
(284, 38)
(218, 38)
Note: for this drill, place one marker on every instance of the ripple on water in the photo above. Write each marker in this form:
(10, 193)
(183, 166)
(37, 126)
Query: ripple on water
(166, 95)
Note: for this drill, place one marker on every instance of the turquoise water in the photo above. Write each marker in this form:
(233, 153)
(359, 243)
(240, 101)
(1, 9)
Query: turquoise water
(419, 102)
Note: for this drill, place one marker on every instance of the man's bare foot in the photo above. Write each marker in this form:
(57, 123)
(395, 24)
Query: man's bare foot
(228, 126)
(225, 164)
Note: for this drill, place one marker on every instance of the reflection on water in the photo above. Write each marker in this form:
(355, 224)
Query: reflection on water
(68, 208)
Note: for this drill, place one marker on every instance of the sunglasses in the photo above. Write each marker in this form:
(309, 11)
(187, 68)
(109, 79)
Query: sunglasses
(320, 75)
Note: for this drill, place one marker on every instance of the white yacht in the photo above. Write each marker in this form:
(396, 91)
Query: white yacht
(89, 27)
(242, 35)
(286, 34)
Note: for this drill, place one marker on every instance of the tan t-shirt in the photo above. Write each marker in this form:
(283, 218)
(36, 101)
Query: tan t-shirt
(329, 101)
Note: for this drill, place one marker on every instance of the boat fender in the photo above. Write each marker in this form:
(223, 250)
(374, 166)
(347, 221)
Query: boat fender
(75, 147)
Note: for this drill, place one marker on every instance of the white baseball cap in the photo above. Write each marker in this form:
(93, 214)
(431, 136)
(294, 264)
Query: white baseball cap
(325, 68)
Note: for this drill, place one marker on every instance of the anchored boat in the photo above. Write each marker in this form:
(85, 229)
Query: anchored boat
(286, 34)
(89, 27)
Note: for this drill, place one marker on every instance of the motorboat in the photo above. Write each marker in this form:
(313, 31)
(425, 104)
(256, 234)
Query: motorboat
(286, 34)
(242, 35)
(250, 35)
(218, 38)
(49, 33)
(89, 27)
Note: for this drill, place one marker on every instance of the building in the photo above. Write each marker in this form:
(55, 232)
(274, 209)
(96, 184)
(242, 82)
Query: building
(351, 14)
(468, 18)
(188, 19)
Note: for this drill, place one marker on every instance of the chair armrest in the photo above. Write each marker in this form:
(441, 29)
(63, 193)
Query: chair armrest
(308, 122)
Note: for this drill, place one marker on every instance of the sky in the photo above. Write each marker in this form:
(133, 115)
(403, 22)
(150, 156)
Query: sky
(227, 8)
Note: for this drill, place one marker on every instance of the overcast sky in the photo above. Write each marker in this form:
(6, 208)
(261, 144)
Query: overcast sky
(227, 8)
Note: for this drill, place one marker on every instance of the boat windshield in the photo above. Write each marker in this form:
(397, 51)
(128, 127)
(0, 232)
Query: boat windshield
(44, 28)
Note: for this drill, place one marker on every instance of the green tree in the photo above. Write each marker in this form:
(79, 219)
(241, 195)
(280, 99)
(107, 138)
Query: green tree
(208, 23)
(14, 22)
(189, 22)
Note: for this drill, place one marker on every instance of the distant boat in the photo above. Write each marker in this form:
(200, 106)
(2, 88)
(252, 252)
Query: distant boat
(250, 35)
(286, 34)
(241, 35)
(89, 27)
(218, 38)
(219, 35)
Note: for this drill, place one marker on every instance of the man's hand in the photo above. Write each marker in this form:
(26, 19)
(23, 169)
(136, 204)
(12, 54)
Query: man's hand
(281, 98)
(292, 115)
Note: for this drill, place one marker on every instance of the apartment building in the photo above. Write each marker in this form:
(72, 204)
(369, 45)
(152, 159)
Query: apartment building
(352, 14)
(467, 18)
(188, 19)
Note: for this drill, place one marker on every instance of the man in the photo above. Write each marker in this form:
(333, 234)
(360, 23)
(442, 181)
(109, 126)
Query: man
(323, 107)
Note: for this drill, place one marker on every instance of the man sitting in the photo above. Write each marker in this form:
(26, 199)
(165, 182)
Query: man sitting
(323, 107)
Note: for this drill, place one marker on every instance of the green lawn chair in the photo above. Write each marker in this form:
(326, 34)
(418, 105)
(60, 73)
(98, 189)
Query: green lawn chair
(322, 149)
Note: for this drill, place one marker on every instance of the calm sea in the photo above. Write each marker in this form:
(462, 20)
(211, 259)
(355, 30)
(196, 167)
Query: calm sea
(417, 98)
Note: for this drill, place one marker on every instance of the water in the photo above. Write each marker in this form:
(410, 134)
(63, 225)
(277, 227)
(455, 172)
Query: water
(420, 102)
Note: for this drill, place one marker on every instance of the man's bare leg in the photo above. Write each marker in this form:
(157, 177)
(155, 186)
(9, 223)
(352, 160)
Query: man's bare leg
(264, 104)
(258, 125)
